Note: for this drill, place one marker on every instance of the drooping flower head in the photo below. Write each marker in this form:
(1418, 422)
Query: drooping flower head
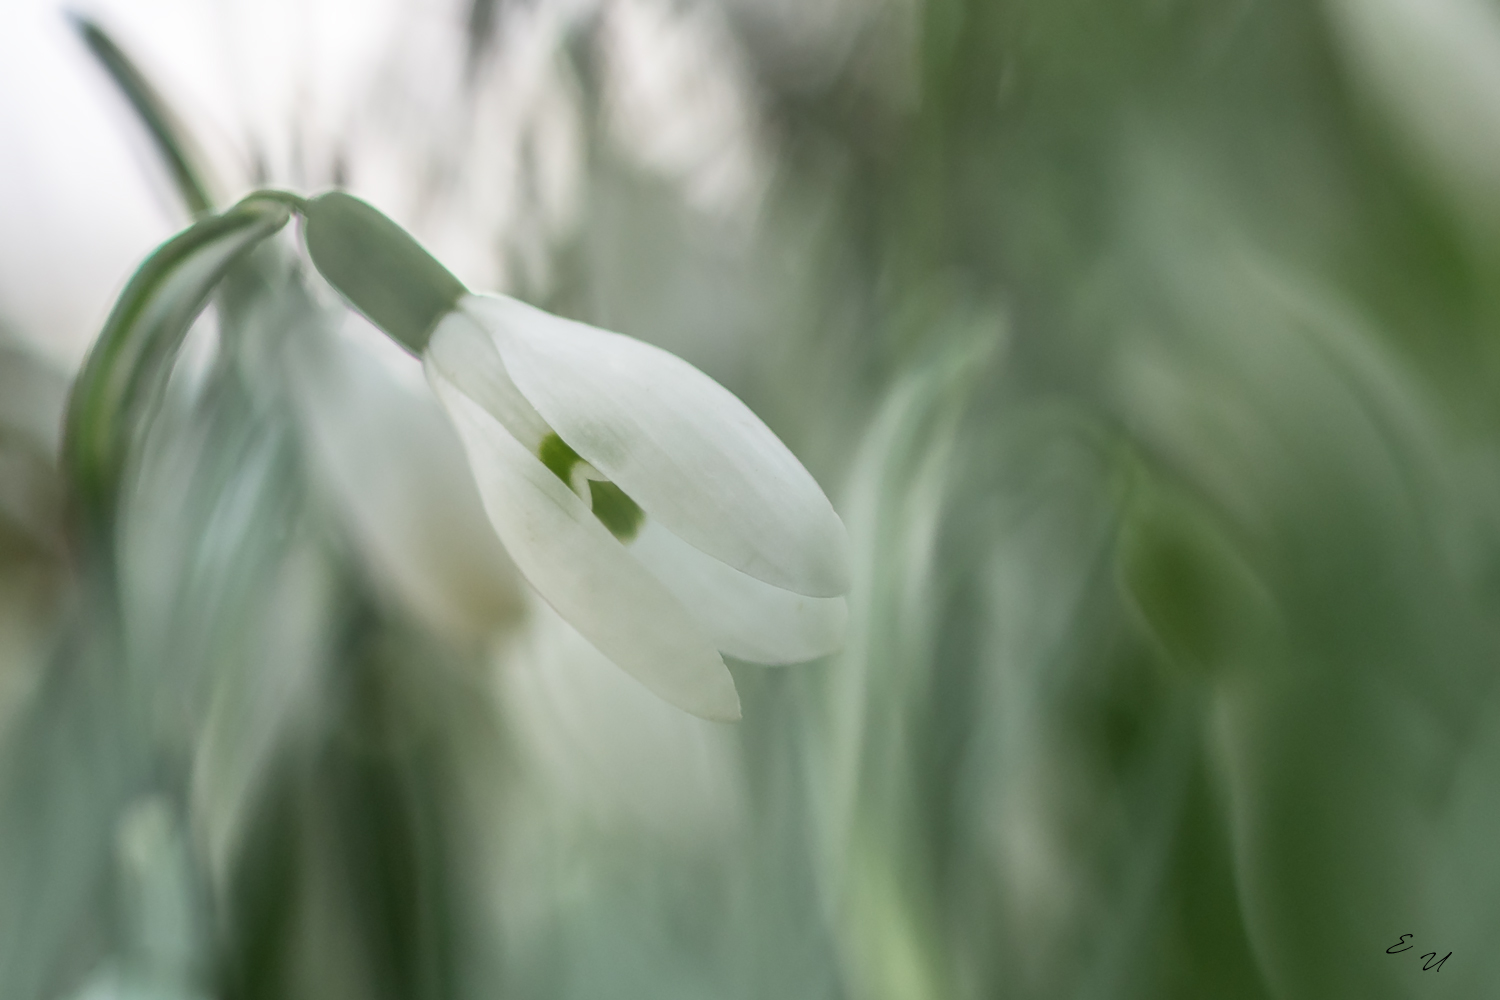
(645, 502)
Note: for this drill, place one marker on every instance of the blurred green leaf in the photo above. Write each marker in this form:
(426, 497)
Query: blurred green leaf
(1192, 589)
(68, 768)
(188, 172)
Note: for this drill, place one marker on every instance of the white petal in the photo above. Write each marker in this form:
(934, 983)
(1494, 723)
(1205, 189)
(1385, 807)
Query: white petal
(464, 354)
(681, 445)
(743, 616)
(389, 457)
(583, 572)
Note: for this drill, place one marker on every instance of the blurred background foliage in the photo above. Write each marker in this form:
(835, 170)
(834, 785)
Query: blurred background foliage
(1148, 350)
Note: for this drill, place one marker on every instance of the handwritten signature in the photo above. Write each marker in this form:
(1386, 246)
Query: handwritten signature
(1427, 966)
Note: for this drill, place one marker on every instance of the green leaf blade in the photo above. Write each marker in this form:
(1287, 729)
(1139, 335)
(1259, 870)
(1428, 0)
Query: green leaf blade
(189, 175)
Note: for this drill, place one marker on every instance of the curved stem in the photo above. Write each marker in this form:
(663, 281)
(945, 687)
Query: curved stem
(293, 201)
(125, 370)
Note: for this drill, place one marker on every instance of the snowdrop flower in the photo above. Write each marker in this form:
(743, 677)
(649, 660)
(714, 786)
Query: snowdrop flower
(643, 501)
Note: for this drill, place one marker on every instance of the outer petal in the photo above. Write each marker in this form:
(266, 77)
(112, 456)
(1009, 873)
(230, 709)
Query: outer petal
(743, 616)
(681, 445)
(464, 353)
(582, 571)
(389, 455)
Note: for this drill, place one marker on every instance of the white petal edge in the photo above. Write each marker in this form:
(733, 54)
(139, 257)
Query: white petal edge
(465, 354)
(744, 617)
(580, 569)
(682, 446)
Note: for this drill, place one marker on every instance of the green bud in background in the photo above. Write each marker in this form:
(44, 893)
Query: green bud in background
(379, 268)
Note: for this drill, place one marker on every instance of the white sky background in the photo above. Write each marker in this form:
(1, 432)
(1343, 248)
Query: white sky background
(83, 196)
(492, 176)
(65, 168)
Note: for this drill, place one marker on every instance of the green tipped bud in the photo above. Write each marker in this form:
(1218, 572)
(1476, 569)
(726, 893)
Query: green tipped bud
(379, 268)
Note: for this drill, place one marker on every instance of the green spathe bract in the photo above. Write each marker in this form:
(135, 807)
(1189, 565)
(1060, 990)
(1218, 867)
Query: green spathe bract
(379, 268)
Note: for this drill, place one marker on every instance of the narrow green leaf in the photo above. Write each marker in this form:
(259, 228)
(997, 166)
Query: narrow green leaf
(70, 763)
(379, 268)
(132, 358)
(183, 160)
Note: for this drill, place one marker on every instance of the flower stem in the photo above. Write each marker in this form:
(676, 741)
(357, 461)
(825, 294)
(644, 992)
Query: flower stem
(293, 201)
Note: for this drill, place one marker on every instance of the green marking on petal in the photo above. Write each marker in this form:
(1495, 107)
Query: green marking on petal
(620, 514)
(616, 511)
(557, 456)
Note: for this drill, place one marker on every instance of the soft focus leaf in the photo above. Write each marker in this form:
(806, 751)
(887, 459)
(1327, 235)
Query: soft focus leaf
(33, 396)
(876, 843)
(186, 166)
(68, 767)
(1434, 67)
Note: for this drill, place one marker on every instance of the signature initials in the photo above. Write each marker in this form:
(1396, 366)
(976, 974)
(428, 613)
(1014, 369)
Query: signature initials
(1427, 964)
